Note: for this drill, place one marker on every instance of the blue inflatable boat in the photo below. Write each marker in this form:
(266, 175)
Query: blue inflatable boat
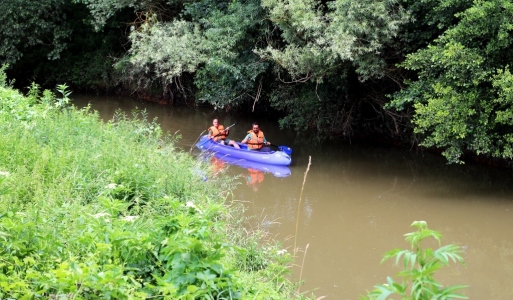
(278, 158)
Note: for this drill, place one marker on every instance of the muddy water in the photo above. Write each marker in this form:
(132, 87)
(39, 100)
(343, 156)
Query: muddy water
(356, 202)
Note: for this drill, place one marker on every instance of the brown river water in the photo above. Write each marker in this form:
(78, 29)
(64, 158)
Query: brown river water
(356, 202)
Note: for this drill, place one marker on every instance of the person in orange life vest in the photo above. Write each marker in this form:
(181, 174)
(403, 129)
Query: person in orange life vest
(218, 133)
(255, 138)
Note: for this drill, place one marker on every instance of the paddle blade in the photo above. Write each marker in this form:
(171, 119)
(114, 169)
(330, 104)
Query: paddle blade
(285, 149)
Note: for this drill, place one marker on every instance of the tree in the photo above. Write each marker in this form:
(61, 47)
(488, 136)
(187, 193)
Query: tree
(210, 40)
(35, 25)
(332, 62)
(419, 265)
(52, 42)
(236, 49)
(462, 96)
(318, 39)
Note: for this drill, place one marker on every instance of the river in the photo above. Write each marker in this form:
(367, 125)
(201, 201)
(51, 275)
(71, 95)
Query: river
(356, 202)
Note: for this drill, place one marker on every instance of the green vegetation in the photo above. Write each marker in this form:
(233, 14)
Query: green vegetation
(462, 97)
(436, 73)
(93, 210)
(420, 264)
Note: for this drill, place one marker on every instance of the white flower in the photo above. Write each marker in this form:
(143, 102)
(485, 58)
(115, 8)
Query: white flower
(130, 218)
(100, 215)
(4, 173)
(111, 186)
(282, 251)
(191, 204)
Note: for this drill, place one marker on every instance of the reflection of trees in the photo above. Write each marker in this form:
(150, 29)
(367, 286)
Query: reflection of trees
(395, 172)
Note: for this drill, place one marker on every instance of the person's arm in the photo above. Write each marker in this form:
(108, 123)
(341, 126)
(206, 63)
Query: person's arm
(210, 134)
(246, 139)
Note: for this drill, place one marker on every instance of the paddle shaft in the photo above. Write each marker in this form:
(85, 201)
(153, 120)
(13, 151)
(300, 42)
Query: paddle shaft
(285, 149)
(227, 128)
(265, 144)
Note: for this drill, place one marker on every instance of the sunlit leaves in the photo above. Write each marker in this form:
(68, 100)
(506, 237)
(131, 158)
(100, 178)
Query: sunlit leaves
(211, 41)
(168, 49)
(300, 21)
(423, 232)
(503, 83)
(102, 10)
(449, 252)
(319, 37)
(232, 74)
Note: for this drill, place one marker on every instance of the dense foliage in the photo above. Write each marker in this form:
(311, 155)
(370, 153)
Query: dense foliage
(462, 97)
(93, 210)
(51, 42)
(32, 25)
(436, 72)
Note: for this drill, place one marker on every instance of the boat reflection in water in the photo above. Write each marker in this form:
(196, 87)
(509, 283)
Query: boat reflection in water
(256, 171)
(278, 171)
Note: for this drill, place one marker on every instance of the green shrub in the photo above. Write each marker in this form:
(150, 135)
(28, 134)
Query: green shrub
(420, 265)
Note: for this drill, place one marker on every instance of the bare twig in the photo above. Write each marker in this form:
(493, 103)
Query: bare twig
(302, 266)
(192, 146)
(257, 95)
(299, 203)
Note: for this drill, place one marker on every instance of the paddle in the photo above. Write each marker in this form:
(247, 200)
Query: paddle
(227, 128)
(285, 149)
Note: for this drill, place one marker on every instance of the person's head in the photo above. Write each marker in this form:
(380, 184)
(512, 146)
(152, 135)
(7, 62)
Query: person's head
(215, 122)
(255, 127)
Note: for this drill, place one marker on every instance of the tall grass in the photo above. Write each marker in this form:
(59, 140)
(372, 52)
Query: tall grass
(94, 210)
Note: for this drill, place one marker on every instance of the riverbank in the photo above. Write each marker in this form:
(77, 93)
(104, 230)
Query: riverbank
(114, 210)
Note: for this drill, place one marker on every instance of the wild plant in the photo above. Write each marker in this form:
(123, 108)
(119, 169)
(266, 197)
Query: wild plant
(4, 82)
(419, 267)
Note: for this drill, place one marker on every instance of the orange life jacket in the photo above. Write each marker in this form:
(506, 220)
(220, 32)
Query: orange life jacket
(255, 176)
(217, 165)
(256, 141)
(218, 133)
